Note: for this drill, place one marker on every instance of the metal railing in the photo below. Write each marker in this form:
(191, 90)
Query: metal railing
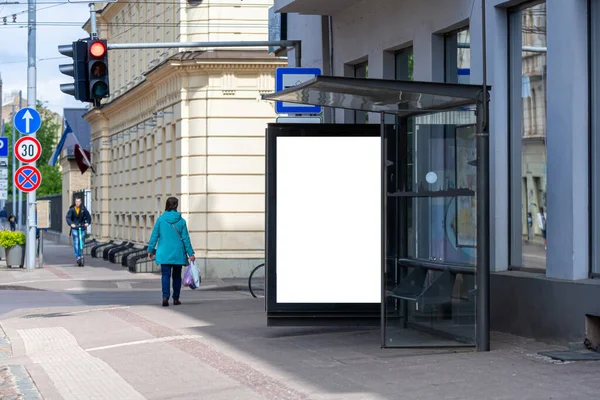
(56, 213)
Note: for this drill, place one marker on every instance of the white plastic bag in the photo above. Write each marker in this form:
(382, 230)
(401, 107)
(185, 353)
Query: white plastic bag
(195, 274)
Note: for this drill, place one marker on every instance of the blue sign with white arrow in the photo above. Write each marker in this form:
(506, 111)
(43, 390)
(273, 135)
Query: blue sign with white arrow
(3, 147)
(28, 120)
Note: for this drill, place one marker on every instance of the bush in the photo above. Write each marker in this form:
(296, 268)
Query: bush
(10, 238)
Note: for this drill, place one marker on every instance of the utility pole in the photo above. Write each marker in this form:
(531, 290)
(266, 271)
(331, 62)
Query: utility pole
(1, 109)
(20, 194)
(31, 101)
(483, 204)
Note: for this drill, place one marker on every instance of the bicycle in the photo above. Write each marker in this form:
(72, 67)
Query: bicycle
(81, 229)
(259, 284)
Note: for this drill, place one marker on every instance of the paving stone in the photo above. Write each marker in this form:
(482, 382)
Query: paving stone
(74, 372)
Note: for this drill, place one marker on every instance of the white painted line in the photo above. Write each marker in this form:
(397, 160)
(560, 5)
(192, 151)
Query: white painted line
(534, 256)
(147, 341)
(32, 281)
(94, 310)
(73, 371)
(124, 285)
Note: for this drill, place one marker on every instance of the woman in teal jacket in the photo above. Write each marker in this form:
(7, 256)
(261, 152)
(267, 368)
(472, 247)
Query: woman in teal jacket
(170, 244)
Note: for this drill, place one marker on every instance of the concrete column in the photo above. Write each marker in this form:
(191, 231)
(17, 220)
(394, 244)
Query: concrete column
(424, 51)
(567, 140)
(497, 73)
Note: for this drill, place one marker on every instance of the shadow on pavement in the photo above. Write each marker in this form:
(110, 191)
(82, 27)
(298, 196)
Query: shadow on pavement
(348, 363)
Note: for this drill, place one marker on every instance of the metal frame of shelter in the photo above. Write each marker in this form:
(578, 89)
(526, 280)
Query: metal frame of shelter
(404, 100)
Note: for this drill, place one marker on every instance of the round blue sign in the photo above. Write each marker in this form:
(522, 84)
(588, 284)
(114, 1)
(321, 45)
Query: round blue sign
(27, 120)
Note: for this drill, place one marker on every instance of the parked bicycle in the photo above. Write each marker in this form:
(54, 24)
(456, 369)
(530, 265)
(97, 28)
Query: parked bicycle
(256, 281)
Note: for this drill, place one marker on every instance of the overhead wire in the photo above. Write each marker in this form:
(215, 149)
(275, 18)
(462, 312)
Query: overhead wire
(26, 11)
(24, 61)
(186, 5)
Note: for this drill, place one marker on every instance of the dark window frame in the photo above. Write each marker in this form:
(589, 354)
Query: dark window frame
(515, 110)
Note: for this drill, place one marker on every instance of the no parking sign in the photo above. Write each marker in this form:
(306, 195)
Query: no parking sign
(27, 178)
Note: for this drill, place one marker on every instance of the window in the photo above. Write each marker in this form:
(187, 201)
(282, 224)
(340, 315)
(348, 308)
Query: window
(404, 64)
(528, 76)
(457, 57)
(173, 153)
(595, 139)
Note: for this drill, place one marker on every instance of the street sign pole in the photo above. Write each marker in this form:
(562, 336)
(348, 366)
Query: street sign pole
(14, 165)
(31, 101)
(20, 195)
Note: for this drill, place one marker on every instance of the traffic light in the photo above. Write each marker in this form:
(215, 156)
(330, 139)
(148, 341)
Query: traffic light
(97, 70)
(78, 52)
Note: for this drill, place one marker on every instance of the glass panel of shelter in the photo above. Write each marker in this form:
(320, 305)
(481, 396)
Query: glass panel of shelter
(431, 231)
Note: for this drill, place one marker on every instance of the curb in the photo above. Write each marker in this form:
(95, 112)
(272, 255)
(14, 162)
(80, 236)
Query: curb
(224, 288)
(16, 384)
(5, 346)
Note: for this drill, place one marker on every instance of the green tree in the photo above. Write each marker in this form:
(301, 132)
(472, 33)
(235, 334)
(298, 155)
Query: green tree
(47, 136)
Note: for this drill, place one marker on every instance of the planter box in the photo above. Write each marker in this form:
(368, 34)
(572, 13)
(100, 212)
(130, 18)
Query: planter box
(15, 255)
(2, 253)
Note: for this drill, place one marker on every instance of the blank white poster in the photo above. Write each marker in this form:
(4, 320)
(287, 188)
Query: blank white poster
(328, 220)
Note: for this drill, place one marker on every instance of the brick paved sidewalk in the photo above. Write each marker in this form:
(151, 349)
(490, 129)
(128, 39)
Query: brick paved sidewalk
(15, 381)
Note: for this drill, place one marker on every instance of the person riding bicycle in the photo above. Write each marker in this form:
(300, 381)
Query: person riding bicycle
(78, 217)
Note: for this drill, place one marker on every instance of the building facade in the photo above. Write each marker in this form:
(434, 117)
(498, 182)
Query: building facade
(543, 127)
(188, 124)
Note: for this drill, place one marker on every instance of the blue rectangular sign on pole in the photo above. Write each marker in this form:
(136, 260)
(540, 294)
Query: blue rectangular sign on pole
(4, 147)
(289, 77)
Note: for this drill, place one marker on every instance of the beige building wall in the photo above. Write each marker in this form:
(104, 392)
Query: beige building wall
(191, 126)
(72, 181)
(150, 22)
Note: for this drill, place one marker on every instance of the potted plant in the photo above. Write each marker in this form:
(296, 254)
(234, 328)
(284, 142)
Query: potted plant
(14, 244)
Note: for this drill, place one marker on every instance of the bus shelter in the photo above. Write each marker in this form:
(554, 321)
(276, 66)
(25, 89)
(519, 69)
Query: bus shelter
(382, 223)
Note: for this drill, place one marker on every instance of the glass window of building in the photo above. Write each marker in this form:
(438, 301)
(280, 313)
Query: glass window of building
(404, 64)
(457, 56)
(528, 78)
(595, 137)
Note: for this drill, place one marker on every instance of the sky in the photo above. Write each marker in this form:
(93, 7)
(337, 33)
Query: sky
(13, 48)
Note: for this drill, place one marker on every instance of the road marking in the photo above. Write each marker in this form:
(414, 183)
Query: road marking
(147, 341)
(30, 281)
(58, 272)
(124, 285)
(241, 372)
(96, 309)
(534, 256)
(74, 372)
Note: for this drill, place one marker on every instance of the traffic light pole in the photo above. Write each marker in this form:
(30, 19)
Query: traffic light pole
(93, 26)
(296, 44)
(31, 102)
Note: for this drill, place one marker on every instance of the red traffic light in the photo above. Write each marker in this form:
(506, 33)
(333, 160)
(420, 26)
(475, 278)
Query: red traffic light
(97, 49)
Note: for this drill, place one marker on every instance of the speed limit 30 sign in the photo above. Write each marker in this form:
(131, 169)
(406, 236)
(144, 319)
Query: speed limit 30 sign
(28, 149)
